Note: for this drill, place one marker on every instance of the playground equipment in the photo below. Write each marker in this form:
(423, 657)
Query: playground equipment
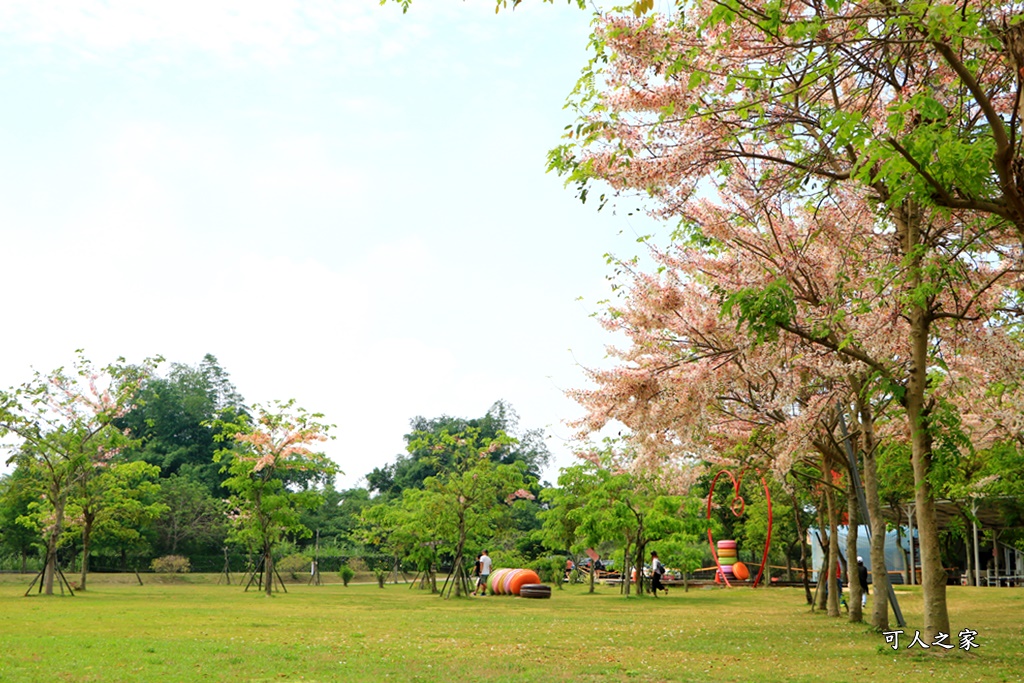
(725, 558)
(511, 581)
(535, 590)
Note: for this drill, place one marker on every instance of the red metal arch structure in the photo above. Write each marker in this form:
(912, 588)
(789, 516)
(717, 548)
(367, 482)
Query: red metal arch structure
(737, 507)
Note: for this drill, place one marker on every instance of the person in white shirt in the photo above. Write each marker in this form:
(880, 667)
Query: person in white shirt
(485, 571)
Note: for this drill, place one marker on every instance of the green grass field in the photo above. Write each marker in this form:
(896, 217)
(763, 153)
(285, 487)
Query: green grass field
(204, 632)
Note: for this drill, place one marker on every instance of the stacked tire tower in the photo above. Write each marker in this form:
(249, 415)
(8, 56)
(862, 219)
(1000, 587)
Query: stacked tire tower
(522, 582)
(727, 558)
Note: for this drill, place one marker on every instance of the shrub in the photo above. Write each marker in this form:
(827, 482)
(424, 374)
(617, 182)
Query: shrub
(550, 569)
(294, 564)
(171, 564)
(382, 576)
(358, 564)
(346, 572)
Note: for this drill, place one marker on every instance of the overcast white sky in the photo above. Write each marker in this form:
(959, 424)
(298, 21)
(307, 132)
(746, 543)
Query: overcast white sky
(344, 204)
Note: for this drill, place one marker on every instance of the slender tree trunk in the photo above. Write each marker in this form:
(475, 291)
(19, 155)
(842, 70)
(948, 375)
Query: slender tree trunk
(970, 550)
(86, 536)
(852, 575)
(933, 576)
(640, 547)
(823, 541)
(459, 571)
(627, 577)
(803, 551)
(51, 543)
(174, 534)
(821, 586)
(879, 575)
(268, 566)
(51, 566)
(833, 547)
(995, 551)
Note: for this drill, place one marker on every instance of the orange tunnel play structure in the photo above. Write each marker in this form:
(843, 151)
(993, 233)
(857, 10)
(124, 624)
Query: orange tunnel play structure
(510, 581)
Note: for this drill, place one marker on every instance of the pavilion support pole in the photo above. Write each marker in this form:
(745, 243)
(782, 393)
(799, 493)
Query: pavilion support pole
(977, 555)
(910, 542)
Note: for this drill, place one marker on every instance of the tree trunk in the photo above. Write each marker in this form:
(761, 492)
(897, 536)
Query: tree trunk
(933, 576)
(268, 566)
(852, 570)
(879, 573)
(820, 589)
(51, 566)
(640, 547)
(970, 550)
(458, 570)
(627, 578)
(51, 543)
(833, 547)
(803, 551)
(86, 536)
(821, 595)
(995, 551)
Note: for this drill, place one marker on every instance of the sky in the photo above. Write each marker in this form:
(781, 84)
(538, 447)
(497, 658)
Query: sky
(345, 205)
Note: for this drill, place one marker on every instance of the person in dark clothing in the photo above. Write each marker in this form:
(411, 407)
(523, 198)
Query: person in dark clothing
(657, 571)
(862, 576)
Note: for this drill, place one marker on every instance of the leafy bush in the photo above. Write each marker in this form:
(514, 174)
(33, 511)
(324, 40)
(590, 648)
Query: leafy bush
(382, 576)
(550, 569)
(171, 564)
(346, 572)
(294, 564)
(507, 558)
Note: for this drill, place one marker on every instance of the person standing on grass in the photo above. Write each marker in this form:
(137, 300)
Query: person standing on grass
(657, 571)
(862, 576)
(476, 573)
(484, 572)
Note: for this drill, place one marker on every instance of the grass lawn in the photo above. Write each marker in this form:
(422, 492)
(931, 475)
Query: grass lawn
(205, 632)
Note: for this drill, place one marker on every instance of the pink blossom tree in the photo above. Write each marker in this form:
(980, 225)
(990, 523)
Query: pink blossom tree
(903, 117)
(767, 317)
(272, 468)
(65, 431)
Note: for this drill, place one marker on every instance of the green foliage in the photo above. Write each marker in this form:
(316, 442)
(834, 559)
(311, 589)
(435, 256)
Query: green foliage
(66, 423)
(346, 573)
(412, 469)
(550, 570)
(294, 564)
(176, 420)
(122, 502)
(763, 311)
(18, 490)
(337, 516)
(171, 564)
(193, 520)
(271, 466)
